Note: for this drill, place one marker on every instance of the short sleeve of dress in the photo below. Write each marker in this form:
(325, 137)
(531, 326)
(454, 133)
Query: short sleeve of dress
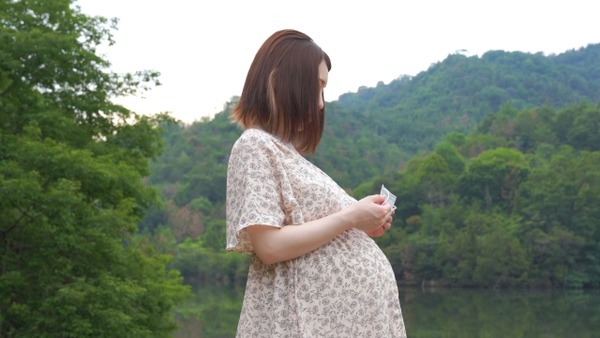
(254, 175)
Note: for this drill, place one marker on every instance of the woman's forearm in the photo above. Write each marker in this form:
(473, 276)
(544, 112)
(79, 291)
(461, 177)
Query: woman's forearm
(274, 244)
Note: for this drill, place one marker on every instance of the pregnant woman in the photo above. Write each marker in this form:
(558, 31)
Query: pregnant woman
(315, 270)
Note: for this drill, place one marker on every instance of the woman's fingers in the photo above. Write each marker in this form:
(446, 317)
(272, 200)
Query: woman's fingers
(382, 229)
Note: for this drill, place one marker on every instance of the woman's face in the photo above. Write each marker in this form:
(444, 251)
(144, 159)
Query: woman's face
(323, 76)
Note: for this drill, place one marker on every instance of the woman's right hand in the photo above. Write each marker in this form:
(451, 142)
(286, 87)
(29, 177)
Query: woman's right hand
(370, 215)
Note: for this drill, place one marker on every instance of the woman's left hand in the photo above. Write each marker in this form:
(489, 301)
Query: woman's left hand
(382, 229)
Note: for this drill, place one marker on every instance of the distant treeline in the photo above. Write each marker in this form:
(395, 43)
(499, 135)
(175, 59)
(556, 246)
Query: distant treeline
(495, 162)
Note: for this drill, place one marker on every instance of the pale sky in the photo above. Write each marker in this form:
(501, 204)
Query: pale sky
(203, 48)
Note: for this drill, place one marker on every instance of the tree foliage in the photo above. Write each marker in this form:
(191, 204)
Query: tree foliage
(71, 188)
(513, 218)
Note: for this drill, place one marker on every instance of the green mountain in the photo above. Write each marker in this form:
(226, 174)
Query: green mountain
(474, 148)
(380, 128)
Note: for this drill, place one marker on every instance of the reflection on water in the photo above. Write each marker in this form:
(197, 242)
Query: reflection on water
(213, 313)
(501, 313)
(439, 313)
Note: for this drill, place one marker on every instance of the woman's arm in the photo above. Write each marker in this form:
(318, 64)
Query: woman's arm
(274, 245)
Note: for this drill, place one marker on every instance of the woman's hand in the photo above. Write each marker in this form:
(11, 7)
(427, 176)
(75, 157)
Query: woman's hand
(370, 215)
(381, 230)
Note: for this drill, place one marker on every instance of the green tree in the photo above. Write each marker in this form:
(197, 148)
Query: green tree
(584, 132)
(501, 258)
(559, 204)
(494, 177)
(71, 188)
(456, 163)
(435, 178)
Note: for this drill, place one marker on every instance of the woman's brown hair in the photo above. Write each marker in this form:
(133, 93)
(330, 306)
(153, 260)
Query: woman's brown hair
(282, 88)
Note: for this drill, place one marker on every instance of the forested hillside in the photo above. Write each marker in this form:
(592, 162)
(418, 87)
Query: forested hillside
(491, 157)
(412, 114)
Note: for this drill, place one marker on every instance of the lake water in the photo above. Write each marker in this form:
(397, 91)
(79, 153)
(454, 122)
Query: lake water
(438, 313)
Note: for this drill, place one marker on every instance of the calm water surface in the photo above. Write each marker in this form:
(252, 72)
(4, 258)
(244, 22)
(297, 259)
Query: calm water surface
(439, 313)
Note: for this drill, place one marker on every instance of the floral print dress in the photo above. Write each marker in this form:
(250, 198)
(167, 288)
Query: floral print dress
(345, 288)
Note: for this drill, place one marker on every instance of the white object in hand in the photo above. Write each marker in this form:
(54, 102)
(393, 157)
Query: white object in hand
(389, 197)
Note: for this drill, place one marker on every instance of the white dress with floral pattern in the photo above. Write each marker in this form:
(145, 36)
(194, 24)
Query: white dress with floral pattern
(345, 288)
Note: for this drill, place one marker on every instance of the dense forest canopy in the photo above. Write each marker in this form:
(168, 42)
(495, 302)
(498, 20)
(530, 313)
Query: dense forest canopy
(474, 147)
(71, 188)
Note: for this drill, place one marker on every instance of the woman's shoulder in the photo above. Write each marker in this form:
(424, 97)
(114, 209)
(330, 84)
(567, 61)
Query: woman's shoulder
(255, 134)
(258, 138)
(252, 135)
